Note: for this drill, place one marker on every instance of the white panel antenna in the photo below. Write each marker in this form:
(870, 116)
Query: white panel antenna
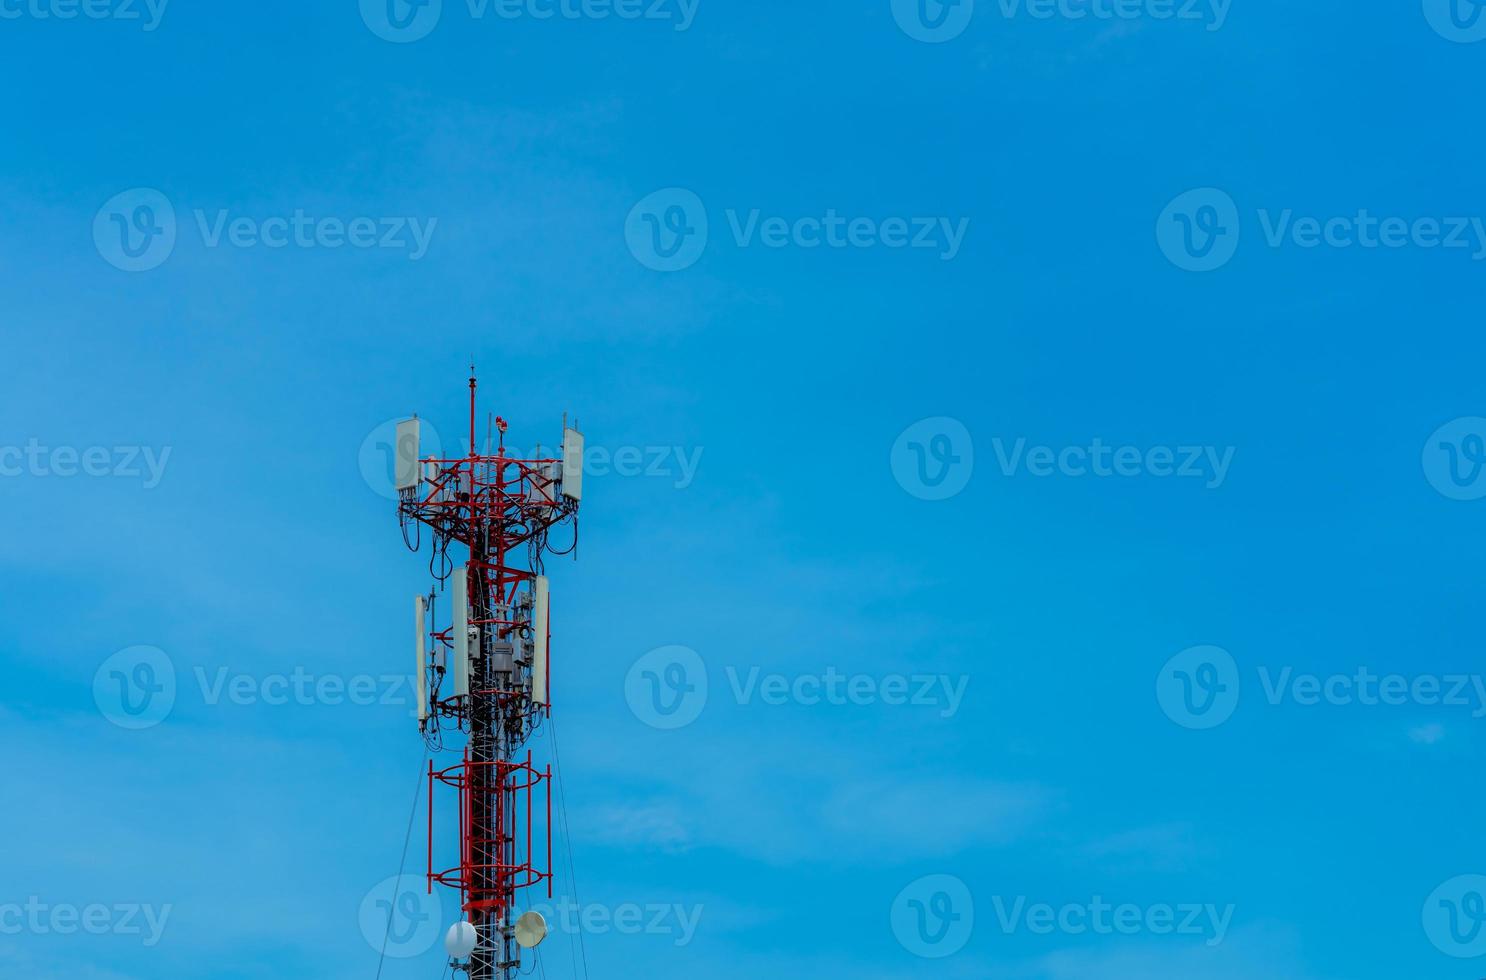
(572, 464)
(405, 455)
(543, 488)
(539, 620)
(422, 675)
(460, 668)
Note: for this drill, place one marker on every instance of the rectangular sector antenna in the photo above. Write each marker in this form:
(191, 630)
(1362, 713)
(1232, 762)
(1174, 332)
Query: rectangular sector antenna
(460, 668)
(405, 455)
(572, 464)
(422, 674)
(539, 618)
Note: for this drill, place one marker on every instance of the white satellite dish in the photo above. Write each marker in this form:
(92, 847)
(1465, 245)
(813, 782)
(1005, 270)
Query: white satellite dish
(531, 929)
(461, 939)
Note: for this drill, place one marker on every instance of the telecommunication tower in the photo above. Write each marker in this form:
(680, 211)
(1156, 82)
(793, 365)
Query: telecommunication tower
(484, 670)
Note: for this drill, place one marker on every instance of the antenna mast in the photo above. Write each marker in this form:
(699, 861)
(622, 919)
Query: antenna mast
(486, 673)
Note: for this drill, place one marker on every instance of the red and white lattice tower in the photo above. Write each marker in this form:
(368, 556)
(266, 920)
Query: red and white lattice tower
(484, 669)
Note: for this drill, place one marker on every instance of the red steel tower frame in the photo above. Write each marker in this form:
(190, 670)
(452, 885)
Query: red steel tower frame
(499, 508)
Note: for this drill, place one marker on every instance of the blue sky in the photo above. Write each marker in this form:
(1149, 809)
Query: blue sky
(1102, 385)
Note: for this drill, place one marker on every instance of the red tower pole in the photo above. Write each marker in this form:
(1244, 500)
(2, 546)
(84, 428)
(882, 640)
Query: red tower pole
(499, 508)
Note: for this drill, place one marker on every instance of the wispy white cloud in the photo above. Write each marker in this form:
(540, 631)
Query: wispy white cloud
(63, 965)
(1427, 734)
(839, 802)
(963, 812)
(1164, 847)
(1265, 951)
(644, 825)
